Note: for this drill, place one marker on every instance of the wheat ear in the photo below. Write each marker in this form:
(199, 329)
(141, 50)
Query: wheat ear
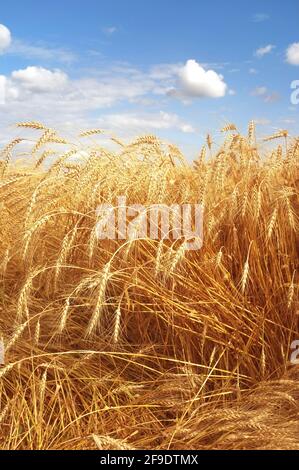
(95, 319)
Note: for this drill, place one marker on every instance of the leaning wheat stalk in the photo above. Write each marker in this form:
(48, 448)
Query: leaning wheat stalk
(272, 223)
(229, 127)
(32, 125)
(16, 335)
(158, 257)
(90, 132)
(64, 315)
(117, 324)
(245, 272)
(95, 319)
(179, 255)
(37, 333)
(67, 244)
(22, 306)
(291, 291)
(4, 411)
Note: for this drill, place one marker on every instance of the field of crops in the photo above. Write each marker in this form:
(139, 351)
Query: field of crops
(141, 343)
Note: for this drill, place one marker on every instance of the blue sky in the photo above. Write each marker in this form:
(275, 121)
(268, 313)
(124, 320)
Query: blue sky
(135, 67)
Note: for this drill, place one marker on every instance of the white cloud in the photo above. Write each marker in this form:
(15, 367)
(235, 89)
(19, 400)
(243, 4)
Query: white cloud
(253, 71)
(53, 97)
(196, 82)
(40, 52)
(5, 38)
(50, 96)
(2, 89)
(109, 30)
(264, 50)
(26, 50)
(187, 128)
(58, 100)
(259, 91)
(165, 71)
(134, 123)
(231, 92)
(39, 79)
(288, 121)
(87, 93)
(260, 17)
(9, 91)
(292, 54)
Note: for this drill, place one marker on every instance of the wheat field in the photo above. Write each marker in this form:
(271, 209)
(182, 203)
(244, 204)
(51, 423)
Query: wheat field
(141, 344)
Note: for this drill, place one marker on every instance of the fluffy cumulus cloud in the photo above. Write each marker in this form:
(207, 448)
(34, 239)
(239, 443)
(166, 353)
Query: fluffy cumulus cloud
(55, 98)
(45, 91)
(264, 50)
(52, 96)
(5, 38)
(196, 82)
(293, 54)
(39, 79)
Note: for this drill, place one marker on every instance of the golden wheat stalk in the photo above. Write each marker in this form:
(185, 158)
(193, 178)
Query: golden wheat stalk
(229, 127)
(4, 411)
(96, 316)
(117, 324)
(272, 223)
(90, 132)
(277, 135)
(43, 139)
(64, 315)
(43, 156)
(178, 256)
(32, 125)
(22, 305)
(107, 442)
(251, 132)
(209, 141)
(18, 332)
(37, 333)
(245, 273)
(67, 245)
(291, 291)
